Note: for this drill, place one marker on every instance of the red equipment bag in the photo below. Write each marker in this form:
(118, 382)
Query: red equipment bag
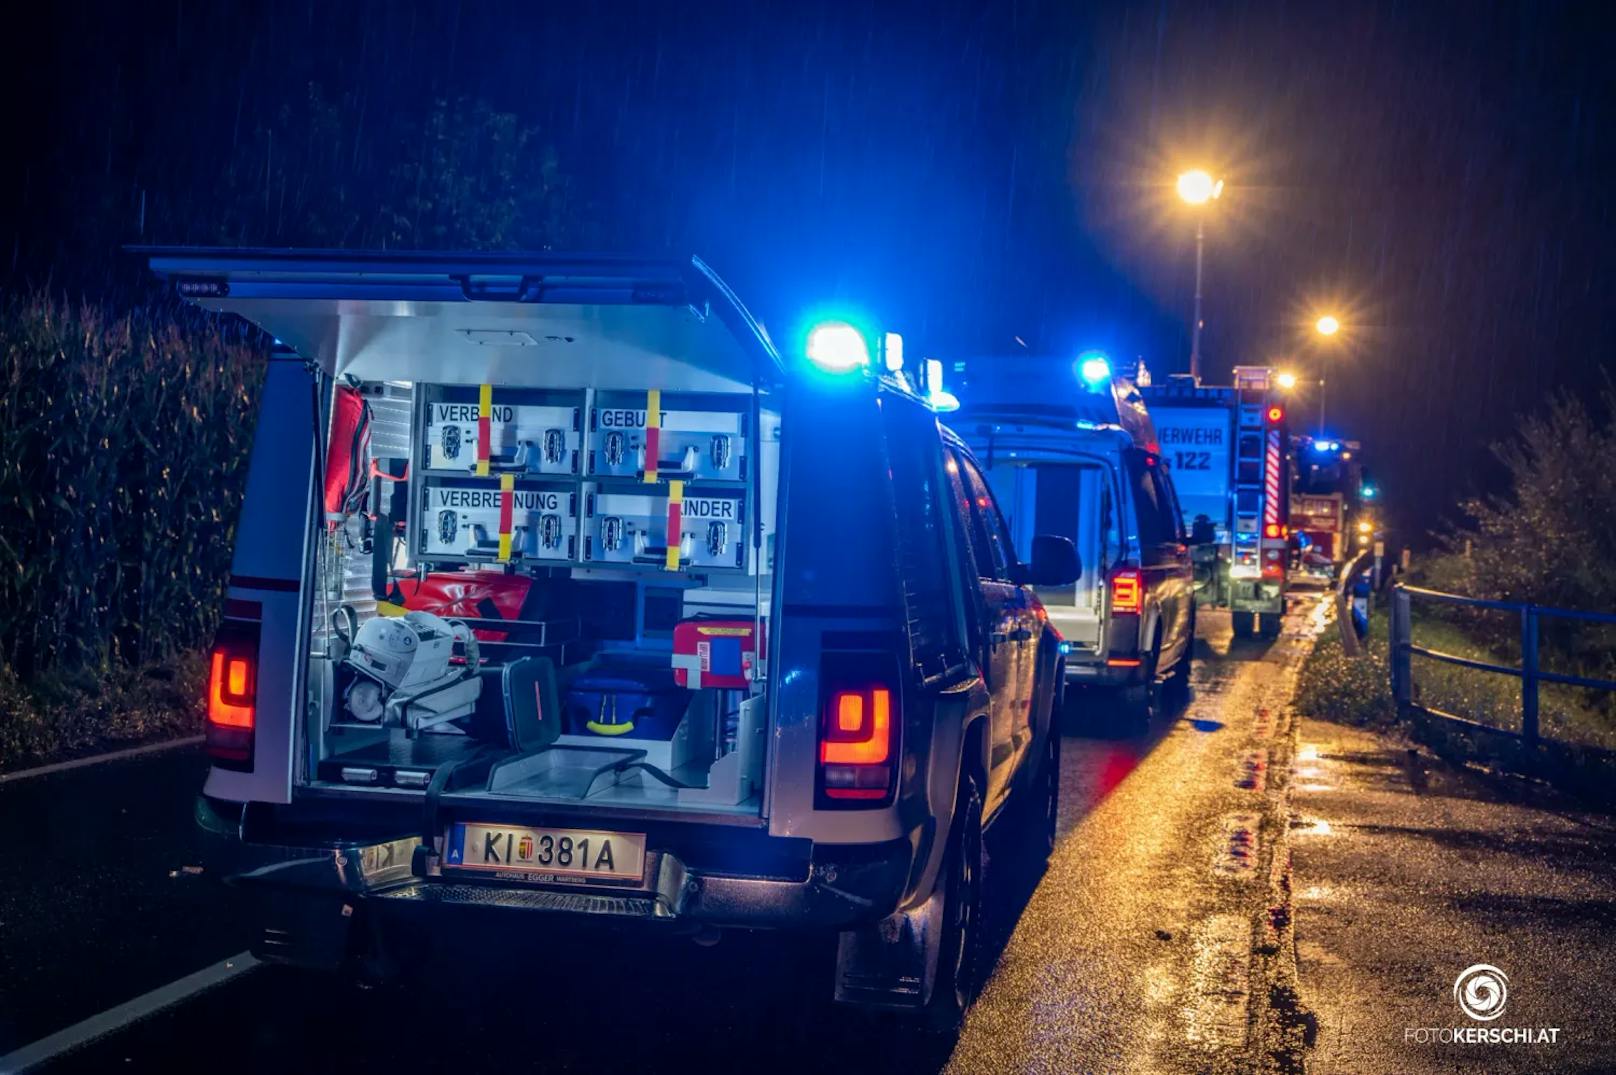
(347, 459)
(712, 653)
(469, 595)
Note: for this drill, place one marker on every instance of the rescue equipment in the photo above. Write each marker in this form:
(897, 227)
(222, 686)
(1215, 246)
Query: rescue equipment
(485, 430)
(713, 653)
(673, 527)
(347, 465)
(473, 595)
(403, 672)
(507, 520)
(626, 698)
(661, 435)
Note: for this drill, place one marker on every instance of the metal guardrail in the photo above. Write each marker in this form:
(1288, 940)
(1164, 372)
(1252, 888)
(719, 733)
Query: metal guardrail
(1530, 673)
(1350, 645)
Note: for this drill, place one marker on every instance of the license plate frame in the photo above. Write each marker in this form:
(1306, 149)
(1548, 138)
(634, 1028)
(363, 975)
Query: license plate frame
(551, 854)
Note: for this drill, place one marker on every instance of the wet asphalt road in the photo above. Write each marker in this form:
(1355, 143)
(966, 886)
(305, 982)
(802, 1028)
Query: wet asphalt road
(96, 903)
(1407, 872)
(1132, 953)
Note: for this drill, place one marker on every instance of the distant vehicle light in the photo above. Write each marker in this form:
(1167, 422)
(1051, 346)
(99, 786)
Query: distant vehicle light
(1273, 530)
(1094, 369)
(837, 347)
(1276, 415)
(1366, 527)
(1370, 492)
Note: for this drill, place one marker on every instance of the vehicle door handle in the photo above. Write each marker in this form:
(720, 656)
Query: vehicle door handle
(1020, 634)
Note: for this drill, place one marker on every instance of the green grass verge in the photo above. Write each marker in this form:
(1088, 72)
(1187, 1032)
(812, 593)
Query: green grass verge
(1333, 686)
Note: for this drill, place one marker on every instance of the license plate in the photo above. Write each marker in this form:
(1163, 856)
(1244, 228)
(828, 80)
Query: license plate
(547, 855)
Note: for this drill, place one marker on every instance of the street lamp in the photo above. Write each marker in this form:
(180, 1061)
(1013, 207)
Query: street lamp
(1326, 326)
(1286, 380)
(1197, 188)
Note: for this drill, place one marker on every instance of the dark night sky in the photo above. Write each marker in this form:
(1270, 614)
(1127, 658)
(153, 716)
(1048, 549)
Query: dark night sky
(1436, 173)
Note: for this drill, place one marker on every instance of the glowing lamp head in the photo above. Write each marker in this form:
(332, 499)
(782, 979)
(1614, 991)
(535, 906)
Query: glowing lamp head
(1366, 527)
(837, 347)
(893, 350)
(1327, 326)
(940, 399)
(1197, 187)
(1093, 369)
(1370, 492)
(1286, 381)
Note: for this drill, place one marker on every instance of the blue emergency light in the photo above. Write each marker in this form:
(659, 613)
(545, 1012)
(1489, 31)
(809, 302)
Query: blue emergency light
(1369, 492)
(837, 347)
(937, 397)
(1093, 369)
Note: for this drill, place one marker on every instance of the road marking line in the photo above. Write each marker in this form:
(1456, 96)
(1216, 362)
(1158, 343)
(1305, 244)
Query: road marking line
(126, 1014)
(97, 759)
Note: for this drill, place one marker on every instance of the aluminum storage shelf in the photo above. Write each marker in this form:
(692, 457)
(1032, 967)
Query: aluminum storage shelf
(477, 520)
(666, 527)
(528, 430)
(669, 435)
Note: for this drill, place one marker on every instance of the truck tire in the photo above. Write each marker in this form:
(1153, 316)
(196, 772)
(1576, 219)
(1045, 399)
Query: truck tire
(1268, 624)
(959, 959)
(1178, 681)
(1142, 702)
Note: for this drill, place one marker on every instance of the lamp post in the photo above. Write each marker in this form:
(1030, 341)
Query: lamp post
(1197, 188)
(1326, 326)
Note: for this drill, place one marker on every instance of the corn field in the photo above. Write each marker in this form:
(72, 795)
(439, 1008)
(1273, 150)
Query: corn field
(123, 450)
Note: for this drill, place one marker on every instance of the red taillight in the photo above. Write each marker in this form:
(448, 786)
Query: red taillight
(1127, 591)
(1273, 530)
(1276, 415)
(233, 695)
(858, 741)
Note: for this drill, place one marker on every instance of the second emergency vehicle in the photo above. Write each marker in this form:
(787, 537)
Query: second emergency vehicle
(1228, 448)
(1070, 449)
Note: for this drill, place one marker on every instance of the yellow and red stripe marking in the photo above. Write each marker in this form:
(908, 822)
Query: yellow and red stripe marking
(507, 485)
(676, 502)
(653, 432)
(485, 427)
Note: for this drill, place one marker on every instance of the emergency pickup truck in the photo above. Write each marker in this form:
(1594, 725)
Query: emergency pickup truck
(1229, 450)
(560, 595)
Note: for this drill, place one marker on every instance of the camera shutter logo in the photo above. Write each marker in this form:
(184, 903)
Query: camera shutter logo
(1482, 991)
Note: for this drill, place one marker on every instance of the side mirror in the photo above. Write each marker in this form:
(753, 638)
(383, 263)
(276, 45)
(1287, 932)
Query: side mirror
(1054, 562)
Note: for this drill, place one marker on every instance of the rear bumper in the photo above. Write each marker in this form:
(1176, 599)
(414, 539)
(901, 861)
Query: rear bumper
(308, 898)
(1093, 672)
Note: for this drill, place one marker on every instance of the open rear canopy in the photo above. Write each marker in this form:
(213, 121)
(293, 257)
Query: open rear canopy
(545, 320)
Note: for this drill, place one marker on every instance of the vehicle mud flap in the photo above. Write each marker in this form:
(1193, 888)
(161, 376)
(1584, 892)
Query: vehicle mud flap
(892, 963)
(299, 928)
(448, 777)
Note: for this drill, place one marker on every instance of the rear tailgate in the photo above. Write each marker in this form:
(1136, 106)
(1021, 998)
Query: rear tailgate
(403, 317)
